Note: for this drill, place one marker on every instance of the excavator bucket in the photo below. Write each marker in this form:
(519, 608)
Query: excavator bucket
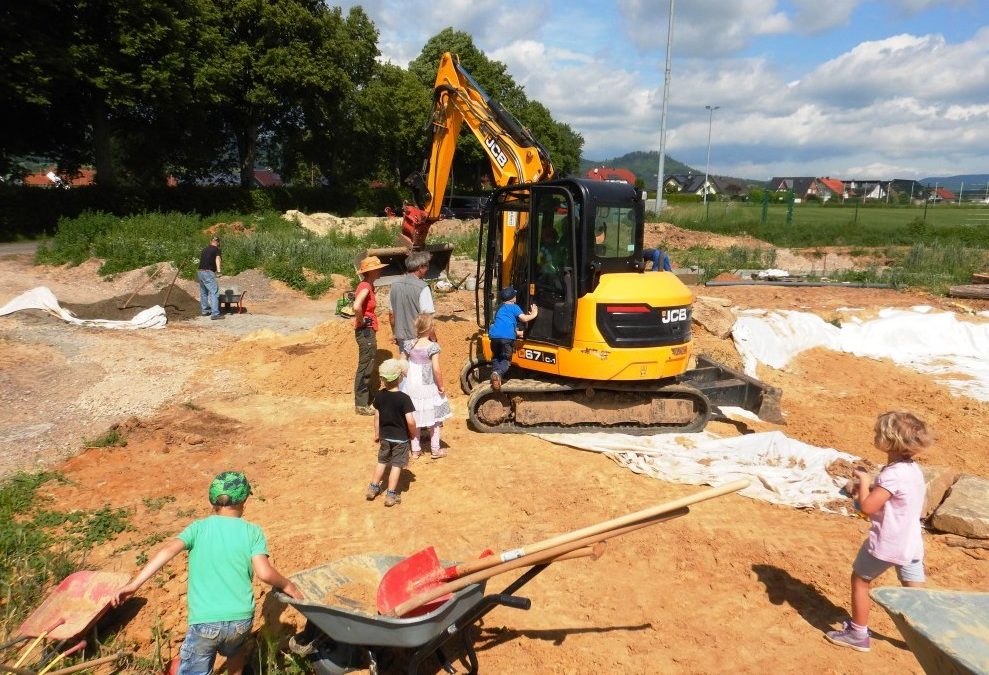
(394, 257)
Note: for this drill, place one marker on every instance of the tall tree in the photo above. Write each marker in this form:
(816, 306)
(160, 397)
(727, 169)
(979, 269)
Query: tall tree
(78, 70)
(388, 116)
(563, 144)
(285, 67)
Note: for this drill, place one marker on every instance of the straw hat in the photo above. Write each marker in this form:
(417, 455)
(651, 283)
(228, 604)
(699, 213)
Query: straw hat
(372, 262)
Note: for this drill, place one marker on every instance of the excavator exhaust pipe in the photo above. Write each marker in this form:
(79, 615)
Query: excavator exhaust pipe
(394, 257)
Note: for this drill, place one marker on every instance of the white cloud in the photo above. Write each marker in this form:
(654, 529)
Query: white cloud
(903, 105)
(703, 27)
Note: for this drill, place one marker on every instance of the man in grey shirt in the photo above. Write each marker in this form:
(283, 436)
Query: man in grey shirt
(409, 297)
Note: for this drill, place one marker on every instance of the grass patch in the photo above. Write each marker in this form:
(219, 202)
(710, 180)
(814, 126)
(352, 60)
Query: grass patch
(39, 546)
(715, 261)
(155, 504)
(113, 438)
(264, 241)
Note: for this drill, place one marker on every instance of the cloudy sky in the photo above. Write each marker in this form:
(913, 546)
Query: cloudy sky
(851, 88)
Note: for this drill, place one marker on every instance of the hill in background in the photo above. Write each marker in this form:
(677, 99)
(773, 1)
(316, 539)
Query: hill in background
(645, 165)
(972, 181)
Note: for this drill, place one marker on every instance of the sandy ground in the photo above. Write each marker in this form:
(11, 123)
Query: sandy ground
(737, 585)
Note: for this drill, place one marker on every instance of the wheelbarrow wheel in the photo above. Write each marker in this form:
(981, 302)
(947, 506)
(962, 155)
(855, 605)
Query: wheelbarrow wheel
(337, 658)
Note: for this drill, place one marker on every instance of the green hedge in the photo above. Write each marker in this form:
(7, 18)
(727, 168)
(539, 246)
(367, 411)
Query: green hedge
(32, 212)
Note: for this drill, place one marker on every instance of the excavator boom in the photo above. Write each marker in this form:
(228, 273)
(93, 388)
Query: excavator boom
(515, 156)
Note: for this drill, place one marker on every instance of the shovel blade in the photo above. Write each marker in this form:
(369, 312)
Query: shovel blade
(409, 577)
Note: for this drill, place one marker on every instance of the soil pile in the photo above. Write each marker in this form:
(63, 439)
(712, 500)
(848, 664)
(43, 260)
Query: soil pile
(181, 306)
(736, 581)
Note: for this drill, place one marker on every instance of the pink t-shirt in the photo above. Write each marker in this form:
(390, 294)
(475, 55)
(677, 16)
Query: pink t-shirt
(895, 535)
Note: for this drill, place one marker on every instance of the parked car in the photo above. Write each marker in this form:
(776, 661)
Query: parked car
(463, 207)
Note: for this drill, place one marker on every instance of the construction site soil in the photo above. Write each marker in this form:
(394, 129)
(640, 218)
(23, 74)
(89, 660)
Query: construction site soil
(737, 585)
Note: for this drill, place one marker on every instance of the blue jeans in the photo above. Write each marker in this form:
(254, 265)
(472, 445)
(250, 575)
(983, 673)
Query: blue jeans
(660, 260)
(209, 292)
(204, 640)
(501, 355)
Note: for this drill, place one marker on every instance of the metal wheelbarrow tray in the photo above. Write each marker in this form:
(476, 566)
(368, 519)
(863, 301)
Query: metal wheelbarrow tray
(340, 603)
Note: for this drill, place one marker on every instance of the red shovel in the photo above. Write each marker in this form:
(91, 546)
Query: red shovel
(422, 571)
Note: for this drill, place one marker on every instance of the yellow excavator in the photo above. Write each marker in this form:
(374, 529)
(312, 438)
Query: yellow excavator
(610, 346)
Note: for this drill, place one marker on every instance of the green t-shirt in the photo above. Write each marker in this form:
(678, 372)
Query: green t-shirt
(220, 570)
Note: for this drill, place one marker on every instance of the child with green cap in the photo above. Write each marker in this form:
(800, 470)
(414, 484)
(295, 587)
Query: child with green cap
(225, 552)
(394, 427)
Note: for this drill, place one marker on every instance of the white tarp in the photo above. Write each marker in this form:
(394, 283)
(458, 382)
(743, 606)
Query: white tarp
(782, 470)
(42, 298)
(935, 343)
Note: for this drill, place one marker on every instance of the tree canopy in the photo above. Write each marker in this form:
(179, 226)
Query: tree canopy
(145, 90)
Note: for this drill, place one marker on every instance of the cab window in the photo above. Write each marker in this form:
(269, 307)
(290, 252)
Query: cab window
(614, 232)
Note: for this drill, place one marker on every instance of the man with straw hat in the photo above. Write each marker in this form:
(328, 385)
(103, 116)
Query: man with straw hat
(365, 331)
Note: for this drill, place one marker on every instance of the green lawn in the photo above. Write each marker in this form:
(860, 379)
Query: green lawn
(836, 225)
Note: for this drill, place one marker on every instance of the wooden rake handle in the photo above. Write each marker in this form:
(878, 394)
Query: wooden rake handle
(546, 556)
(472, 566)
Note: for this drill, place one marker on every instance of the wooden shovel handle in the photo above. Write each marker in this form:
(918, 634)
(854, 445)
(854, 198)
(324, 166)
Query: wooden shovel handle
(483, 563)
(540, 557)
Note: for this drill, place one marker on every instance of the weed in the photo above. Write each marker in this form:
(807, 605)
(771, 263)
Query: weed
(141, 559)
(191, 405)
(113, 438)
(185, 513)
(155, 504)
(269, 660)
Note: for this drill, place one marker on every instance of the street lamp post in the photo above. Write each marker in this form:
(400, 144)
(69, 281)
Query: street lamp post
(662, 119)
(707, 168)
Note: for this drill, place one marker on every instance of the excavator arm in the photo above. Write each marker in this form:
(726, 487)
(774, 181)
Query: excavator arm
(515, 156)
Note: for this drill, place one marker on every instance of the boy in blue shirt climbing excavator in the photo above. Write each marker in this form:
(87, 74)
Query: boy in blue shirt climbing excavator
(503, 331)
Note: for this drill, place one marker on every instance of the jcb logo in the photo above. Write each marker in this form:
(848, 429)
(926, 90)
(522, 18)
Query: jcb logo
(673, 315)
(496, 152)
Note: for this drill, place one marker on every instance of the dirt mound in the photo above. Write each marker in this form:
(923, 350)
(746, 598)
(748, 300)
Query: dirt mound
(181, 306)
(672, 238)
(279, 406)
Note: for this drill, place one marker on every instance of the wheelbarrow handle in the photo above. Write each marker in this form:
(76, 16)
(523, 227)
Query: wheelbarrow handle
(554, 554)
(41, 636)
(472, 566)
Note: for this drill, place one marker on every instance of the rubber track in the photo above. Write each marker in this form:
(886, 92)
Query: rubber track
(528, 388)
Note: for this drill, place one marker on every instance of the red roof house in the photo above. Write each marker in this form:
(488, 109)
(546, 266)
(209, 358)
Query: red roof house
(86, 176)
(612, 175)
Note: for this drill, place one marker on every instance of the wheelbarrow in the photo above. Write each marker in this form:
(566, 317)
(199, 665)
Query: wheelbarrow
(345, 633)
(70, 611)
(425, 606)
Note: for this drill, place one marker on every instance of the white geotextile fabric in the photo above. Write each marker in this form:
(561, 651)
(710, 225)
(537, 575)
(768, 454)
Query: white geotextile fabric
(782, 470)
(42, 298)
(935, 343)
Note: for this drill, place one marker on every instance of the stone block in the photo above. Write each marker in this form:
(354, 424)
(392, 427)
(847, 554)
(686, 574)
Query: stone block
(965, 511)
(938, 480)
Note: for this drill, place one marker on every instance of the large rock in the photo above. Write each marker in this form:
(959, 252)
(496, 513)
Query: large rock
(715, 314)
(939, 480)
(965, 510)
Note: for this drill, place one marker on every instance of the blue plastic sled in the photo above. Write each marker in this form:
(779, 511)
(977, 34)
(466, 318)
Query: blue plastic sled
(948, 631)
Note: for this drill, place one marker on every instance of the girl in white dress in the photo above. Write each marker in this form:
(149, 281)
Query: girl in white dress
(424, 385)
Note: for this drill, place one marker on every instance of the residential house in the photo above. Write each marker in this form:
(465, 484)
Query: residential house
(911, 188)
(942, 194)
(801, 186)
(828, 188)
(611, 175)
(866, 189)
(691, 184)
(85, 176)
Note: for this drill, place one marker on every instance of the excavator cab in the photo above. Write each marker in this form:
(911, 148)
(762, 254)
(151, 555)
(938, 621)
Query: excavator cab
(553, 241)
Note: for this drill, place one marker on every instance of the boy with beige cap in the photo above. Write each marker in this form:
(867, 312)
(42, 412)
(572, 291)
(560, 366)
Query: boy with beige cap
(394, 427)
